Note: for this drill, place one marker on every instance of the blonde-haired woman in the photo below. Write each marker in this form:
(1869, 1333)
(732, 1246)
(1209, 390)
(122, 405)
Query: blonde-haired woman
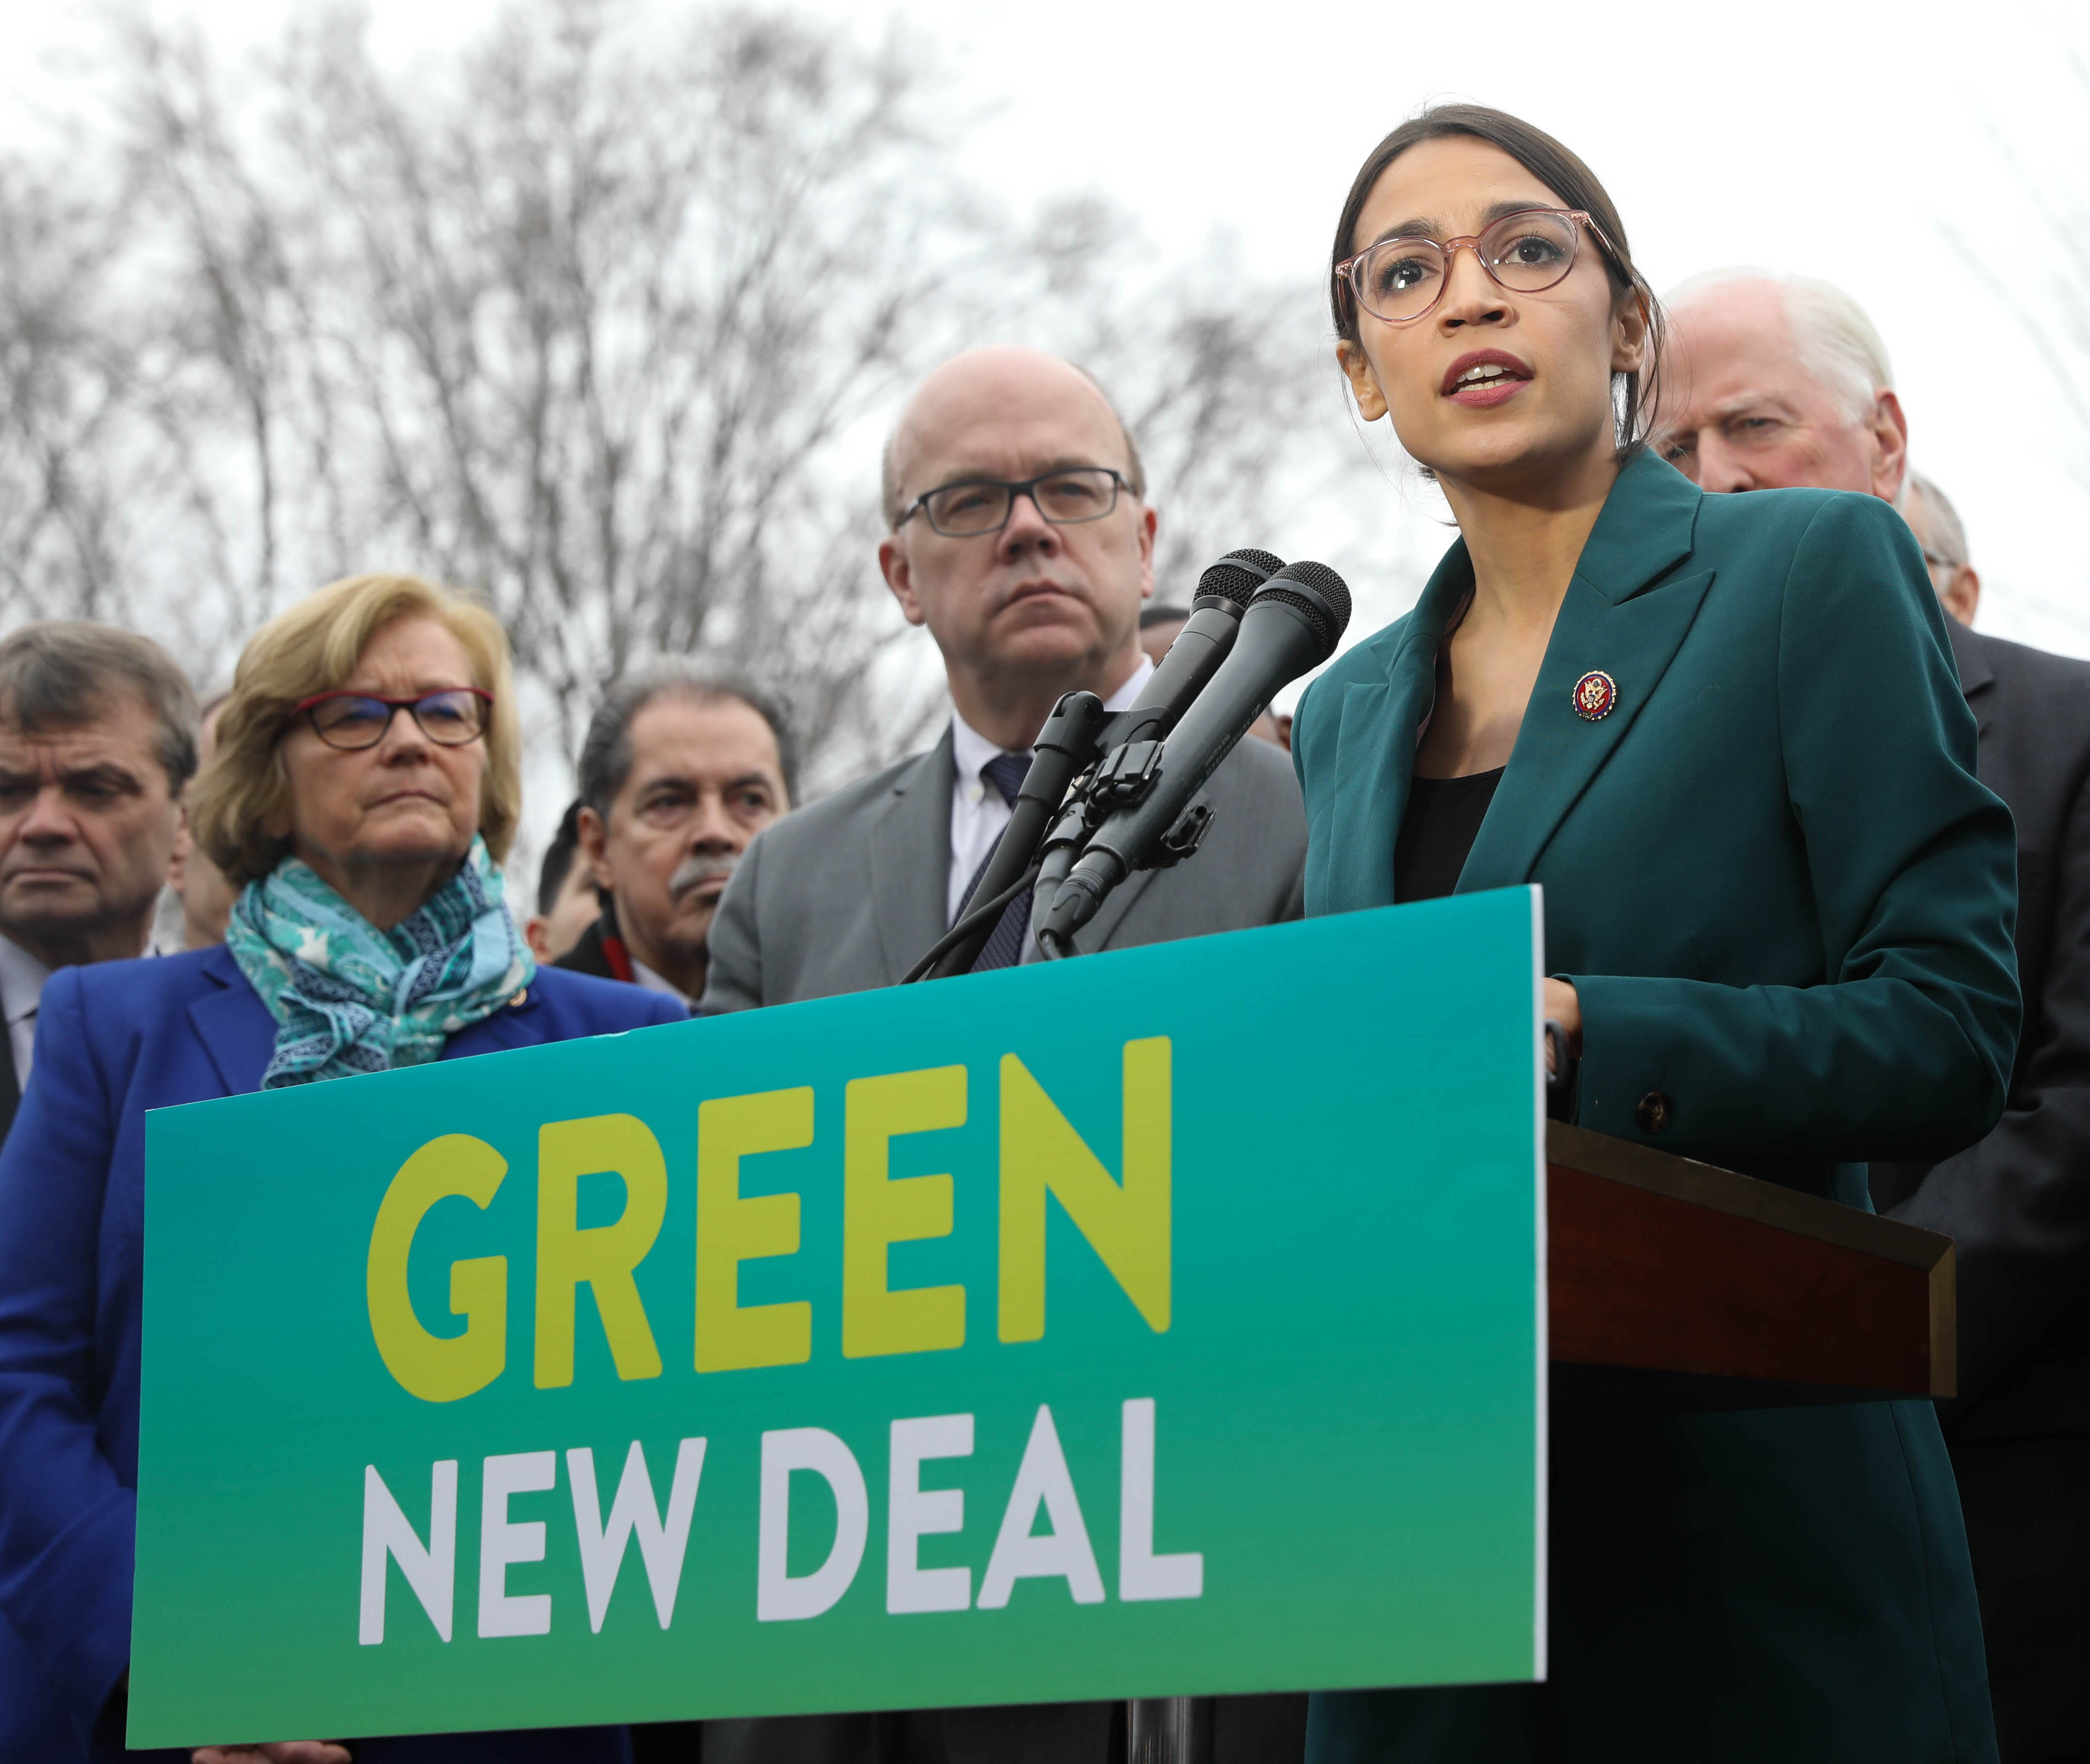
(366, 784)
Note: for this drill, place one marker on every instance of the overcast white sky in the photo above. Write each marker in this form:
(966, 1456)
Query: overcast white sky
(1828, 137)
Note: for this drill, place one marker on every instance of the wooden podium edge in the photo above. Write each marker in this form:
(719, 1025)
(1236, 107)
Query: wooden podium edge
(1944, 1319)
(1781, 1209)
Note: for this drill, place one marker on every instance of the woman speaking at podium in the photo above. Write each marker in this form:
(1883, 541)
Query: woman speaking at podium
(367, 778)
(1726, 735)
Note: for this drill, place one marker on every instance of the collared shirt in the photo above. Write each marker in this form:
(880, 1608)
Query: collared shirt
(22, 978)
(978, 811)
(654, 982)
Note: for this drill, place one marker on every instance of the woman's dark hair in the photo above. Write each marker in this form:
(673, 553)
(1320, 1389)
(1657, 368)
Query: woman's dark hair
(1569, 179)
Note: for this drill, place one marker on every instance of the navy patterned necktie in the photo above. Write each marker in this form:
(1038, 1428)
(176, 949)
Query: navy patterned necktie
(1005, 771)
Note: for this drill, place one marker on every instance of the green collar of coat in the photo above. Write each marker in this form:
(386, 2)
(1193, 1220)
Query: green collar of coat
(1626, 613)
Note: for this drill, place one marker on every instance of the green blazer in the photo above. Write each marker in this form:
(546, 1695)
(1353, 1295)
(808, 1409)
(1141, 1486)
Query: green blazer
(1786, 905)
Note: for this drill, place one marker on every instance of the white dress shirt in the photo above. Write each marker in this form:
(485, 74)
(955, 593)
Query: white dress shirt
(22, 978)
(655, 982)
(978, 811)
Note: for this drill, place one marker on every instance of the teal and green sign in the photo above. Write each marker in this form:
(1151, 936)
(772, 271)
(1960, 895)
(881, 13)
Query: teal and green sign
(1163, 1323)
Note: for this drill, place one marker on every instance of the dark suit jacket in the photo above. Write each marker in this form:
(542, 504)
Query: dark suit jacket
(2018, 1202)
(1785, 901)
(112, 1041)
(589, 956)
(848, 894)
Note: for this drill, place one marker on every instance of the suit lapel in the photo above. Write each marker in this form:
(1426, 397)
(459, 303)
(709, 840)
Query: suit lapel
(1619, 617)
(910, 859)
(10, 1088)
(1976, 677)
(1380, 723)
(510, 1026)
(234, 1025)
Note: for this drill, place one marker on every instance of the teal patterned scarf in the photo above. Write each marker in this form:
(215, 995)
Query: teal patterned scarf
(348, 997)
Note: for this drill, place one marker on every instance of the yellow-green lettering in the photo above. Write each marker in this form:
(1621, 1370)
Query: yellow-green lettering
(731, 1230)
(439, 1369)
(877, 1211)
(1127, 1226)
(602, 1255)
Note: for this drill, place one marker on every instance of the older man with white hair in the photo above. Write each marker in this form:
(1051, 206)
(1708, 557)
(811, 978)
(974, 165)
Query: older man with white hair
(1777, 381)
(1770, 381)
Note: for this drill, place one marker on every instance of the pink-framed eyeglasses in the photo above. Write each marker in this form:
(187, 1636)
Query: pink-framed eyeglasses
(1401, 280)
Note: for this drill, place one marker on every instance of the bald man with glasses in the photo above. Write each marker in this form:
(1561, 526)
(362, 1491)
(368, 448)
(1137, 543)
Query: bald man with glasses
(1019, 535)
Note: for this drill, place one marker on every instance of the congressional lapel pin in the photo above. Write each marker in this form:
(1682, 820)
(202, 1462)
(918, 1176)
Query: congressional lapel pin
(1595, 694)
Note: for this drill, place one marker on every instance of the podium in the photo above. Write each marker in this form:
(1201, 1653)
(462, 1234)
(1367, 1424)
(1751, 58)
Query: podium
(1106, 1361)
(1674, 1284)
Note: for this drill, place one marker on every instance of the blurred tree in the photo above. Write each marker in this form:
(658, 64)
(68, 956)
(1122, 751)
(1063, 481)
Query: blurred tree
(2044, 280)
(67, 376)
(604, 316)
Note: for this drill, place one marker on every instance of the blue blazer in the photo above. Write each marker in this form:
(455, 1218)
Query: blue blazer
(112, 1041)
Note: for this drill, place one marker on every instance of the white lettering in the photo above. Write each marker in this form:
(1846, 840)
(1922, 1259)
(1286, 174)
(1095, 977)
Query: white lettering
(1140, 1573)
(1041, 1479)
(662, 1543)
(501, 1543)
(431, 1572)
(779, 1597)
(913, 1513)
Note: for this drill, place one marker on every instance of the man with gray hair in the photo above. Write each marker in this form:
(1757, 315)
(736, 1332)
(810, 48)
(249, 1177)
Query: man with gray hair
(1936, 523)
(1768, 382)
(98, 737)
(1779, 381)
(678, 771)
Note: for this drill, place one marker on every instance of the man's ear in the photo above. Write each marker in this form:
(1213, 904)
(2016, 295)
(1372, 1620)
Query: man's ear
(1962, 594)
(595, 848)
(899, 574)
(1148, 523)
(184, 843)
(1890, 446)
(1363, 382)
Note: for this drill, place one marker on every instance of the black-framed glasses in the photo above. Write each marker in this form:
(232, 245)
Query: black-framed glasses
(451, 717)
(975, 505)
(1401, 280)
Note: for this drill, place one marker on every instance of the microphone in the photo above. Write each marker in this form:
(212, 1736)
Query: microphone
(1070, 739)
(1294, 624)
(1223, 593)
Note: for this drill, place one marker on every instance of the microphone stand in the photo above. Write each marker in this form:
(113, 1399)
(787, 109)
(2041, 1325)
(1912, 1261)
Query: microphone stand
(1169, 1730)
(1120, 751)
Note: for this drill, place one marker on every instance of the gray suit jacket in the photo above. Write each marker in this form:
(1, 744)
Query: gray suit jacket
(849, 893)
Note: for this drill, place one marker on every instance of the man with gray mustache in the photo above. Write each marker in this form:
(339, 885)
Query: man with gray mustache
(679, 771)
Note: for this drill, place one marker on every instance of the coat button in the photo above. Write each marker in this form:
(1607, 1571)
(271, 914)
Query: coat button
(1653, 1110)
